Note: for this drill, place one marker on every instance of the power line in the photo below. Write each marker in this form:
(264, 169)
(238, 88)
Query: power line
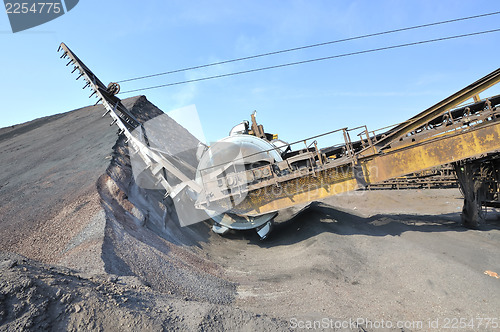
(310, 46)
(314, 60)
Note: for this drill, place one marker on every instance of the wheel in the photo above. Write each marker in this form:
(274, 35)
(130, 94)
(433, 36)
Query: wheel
(113, 88)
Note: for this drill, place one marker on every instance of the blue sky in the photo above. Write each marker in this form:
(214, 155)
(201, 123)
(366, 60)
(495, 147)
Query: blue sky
(124, 39)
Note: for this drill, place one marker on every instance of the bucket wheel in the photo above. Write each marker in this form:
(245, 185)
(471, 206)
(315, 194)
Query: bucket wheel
(262, 224)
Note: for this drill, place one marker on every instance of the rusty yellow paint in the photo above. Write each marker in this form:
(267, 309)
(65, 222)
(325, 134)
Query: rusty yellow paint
(298, 191)
(430, 154)
(279, 203)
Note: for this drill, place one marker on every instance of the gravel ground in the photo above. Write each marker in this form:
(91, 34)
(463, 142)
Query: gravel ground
(387, 260)
(38, 297)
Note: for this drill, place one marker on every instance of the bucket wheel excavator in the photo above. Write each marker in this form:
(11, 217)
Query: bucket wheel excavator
(242, 181)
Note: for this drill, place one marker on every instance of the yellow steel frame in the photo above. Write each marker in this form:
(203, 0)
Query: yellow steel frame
(371, 167)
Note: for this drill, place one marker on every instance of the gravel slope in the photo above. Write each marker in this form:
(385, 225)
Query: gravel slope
(119, 258)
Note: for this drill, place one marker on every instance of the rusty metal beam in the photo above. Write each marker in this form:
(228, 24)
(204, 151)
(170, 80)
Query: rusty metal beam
(448, 103)
(444, 150)
(298, 191)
